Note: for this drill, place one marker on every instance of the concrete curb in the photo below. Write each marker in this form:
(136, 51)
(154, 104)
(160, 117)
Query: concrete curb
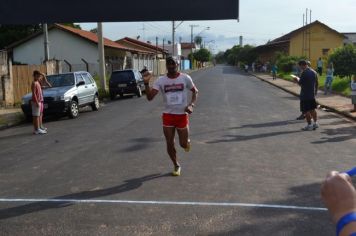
(333, 109)
(11, 120)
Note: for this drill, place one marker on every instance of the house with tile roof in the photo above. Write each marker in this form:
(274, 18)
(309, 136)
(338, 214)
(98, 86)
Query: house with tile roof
(78, 49)
(312, 41)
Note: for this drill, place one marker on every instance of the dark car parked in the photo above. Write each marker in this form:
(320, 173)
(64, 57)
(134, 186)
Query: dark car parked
(126, 82)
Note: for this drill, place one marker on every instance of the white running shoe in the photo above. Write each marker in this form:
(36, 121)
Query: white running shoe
(315, 126)
(43, 128)
(40, 131)
(308, 128)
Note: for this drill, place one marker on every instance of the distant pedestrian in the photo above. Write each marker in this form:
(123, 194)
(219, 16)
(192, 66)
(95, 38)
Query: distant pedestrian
(37, 102)
(308, 82)
(246, 68)
(320, 66)
(329, 78)
(353, 92)
(274, 71)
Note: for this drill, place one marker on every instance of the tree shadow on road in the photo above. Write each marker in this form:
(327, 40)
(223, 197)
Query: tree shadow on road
(269, 221)
(139, 144)
(337, 135)
(129, 185)
(256, 125)
(240, 138)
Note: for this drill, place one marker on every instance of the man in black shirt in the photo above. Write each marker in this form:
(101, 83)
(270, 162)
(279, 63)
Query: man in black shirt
(308, 82)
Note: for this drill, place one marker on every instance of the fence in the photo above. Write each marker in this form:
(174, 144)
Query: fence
(22, 79)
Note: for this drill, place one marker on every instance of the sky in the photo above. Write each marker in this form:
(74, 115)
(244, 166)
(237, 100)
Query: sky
(259, 22)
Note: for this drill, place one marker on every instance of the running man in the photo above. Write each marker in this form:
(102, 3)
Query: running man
(174, 88)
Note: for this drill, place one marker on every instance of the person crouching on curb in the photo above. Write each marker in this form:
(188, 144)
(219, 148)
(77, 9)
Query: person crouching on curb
(37, 102)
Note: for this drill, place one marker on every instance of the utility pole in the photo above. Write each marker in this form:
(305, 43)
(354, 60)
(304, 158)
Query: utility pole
(101, 56)
(191, 32)
(173, 36)
(157, 55)
(46, 42)
(174, 27)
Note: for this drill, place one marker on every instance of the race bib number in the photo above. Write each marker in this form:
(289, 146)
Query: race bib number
(174, 98)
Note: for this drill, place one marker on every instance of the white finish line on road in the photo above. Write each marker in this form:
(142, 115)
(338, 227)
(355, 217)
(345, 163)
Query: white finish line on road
(221, 204)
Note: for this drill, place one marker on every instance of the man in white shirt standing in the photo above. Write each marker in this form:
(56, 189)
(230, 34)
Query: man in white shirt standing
(174, 88)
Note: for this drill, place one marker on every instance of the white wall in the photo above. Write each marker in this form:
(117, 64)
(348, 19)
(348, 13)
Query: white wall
(62, 45)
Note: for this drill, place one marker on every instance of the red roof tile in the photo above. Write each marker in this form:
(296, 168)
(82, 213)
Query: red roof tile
(144, 44)
(187, 45)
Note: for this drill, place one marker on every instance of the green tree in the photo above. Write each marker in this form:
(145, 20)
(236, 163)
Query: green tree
(344, 61)
(286, 63)
(202, 55)
(12, 33)
(220, 58)
(198, 40)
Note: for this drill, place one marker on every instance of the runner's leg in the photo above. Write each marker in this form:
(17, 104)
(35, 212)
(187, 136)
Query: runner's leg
(169, 133)
(183, 135)
(314, 115)
(308, 116)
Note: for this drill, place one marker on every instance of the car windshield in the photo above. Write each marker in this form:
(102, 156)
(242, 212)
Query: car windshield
(61, 80)
(122, 76)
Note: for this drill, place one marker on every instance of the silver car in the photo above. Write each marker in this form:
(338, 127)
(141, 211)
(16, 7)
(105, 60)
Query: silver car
(68, 92)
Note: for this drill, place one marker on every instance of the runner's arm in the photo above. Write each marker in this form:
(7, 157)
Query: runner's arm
(45, 81)
(194, 96)
(150, 92)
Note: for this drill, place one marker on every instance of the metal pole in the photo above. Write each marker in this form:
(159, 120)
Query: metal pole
(303, 35)
(46, 42)
(310, 36)
(173, 36)
(101, 56)
(157, 55)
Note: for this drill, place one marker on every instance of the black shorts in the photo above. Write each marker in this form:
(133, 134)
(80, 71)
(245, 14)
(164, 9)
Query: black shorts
(308, 105)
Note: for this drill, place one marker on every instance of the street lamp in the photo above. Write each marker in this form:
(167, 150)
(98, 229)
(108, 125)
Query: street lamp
(207, 28)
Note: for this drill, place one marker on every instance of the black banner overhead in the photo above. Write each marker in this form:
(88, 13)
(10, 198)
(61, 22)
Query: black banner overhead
(47, 11)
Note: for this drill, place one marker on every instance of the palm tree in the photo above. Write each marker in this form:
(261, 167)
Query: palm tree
(198, 40)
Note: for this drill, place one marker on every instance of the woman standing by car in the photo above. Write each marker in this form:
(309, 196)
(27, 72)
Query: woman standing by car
(37, 103)
(44, 84)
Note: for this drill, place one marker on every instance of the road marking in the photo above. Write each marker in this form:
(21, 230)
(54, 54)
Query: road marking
(221, 204)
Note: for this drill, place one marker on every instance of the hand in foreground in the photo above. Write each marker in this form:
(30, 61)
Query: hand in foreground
(338, 194)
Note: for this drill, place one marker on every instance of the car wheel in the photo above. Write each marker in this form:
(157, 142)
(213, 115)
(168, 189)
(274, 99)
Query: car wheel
(73, 109)
(139, 92)
(96, 104)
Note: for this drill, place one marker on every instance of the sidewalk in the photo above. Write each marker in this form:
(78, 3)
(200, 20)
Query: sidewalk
(336, 103)
(10, 117)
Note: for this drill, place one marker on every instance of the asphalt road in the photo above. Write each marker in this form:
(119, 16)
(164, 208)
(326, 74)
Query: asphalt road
(247, 148)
